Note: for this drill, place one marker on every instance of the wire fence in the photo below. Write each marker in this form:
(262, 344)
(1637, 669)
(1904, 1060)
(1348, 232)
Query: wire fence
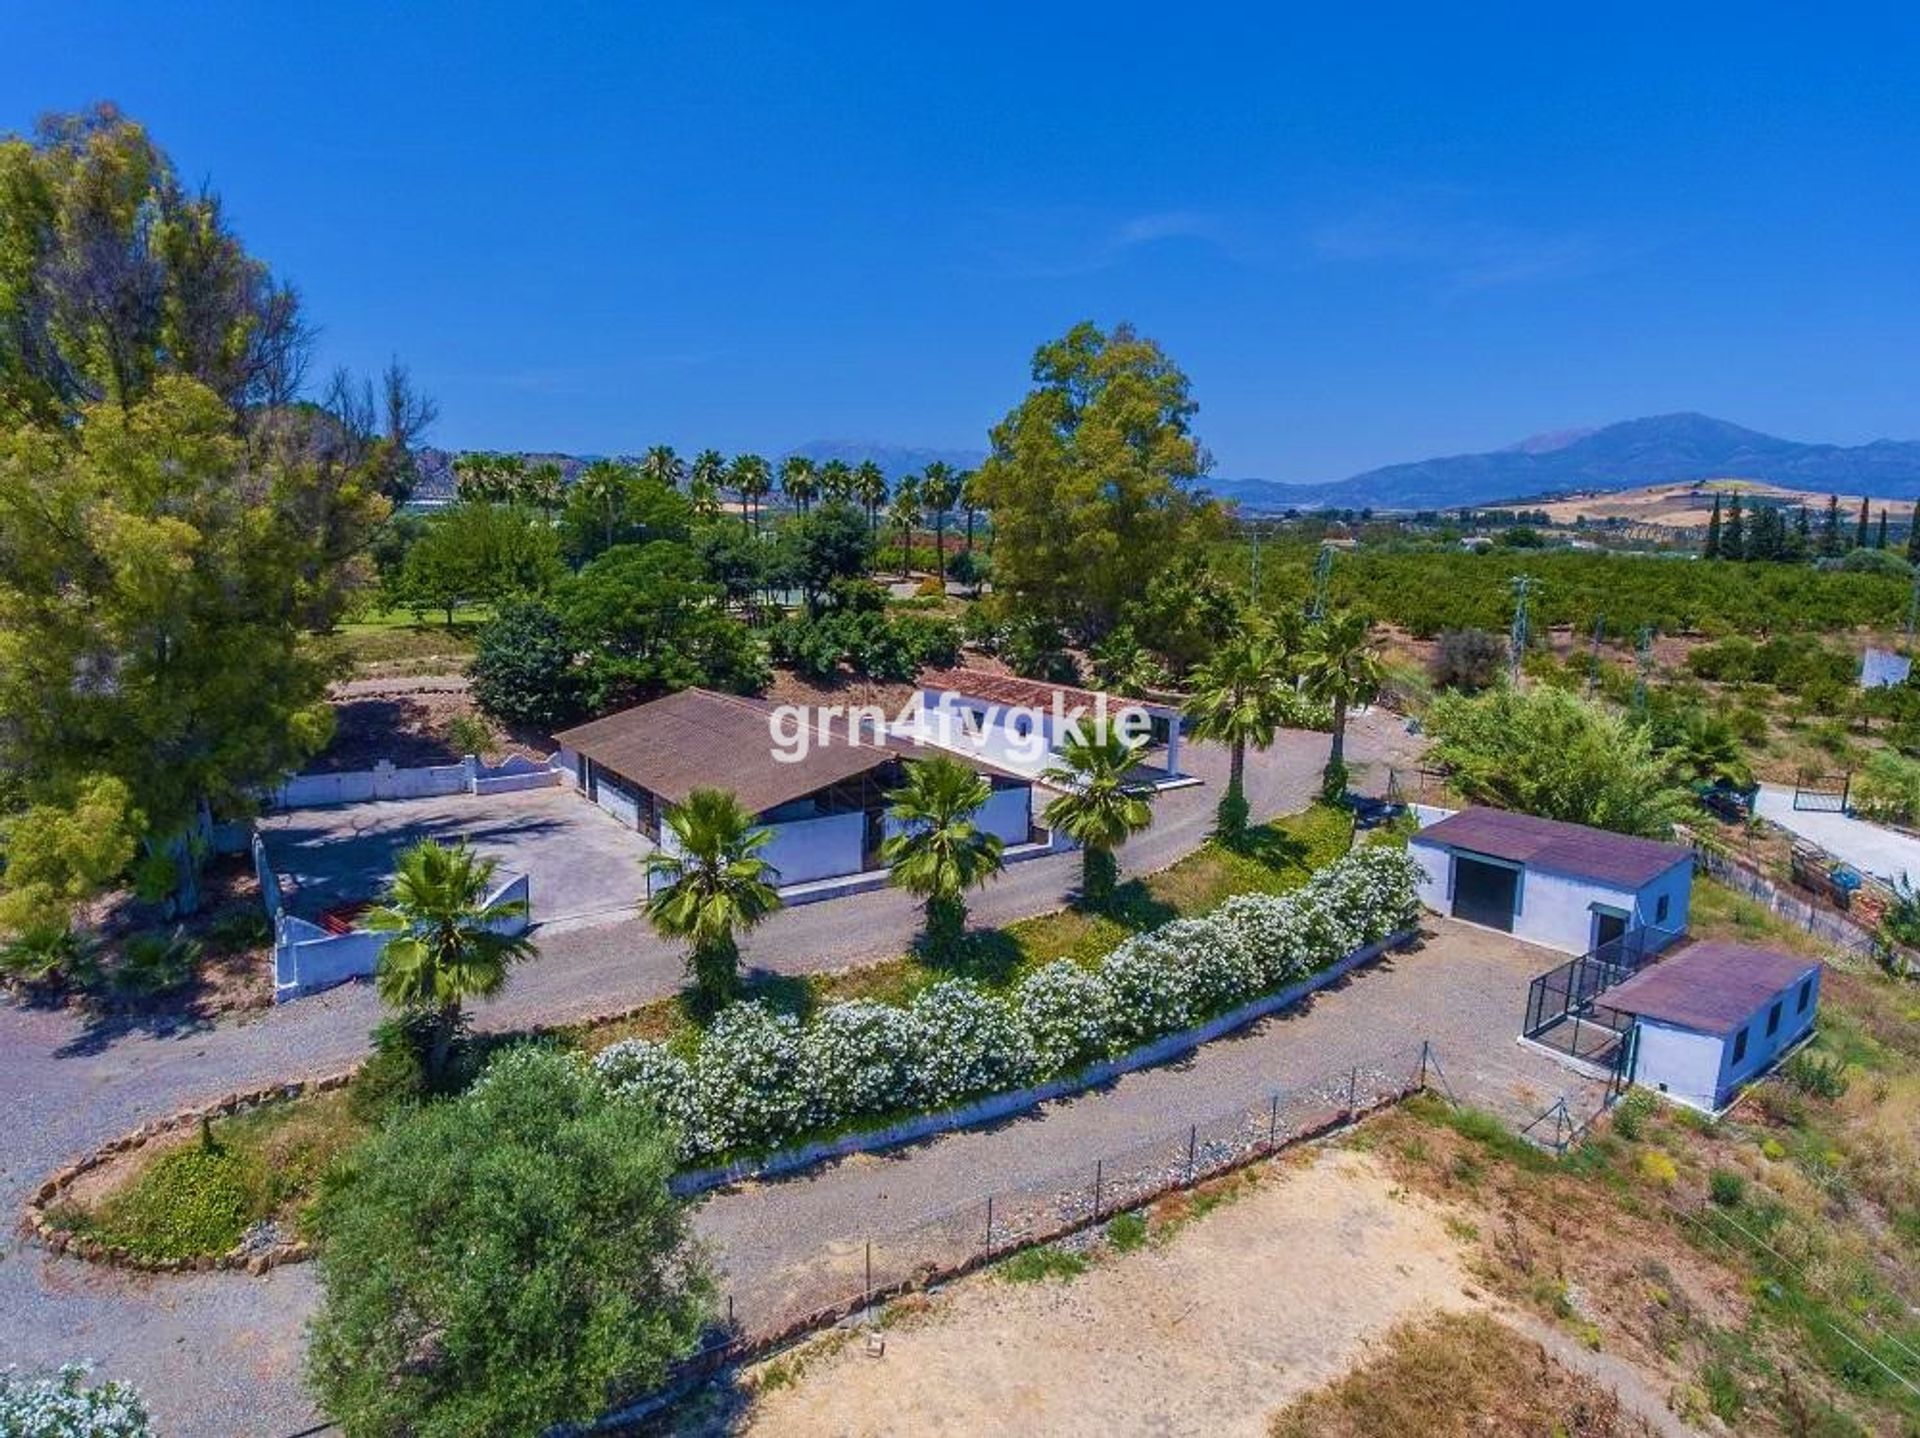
(863, 1270)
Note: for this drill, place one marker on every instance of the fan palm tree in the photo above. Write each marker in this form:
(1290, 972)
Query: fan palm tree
(447, 943)
(836, 481)
(1238, 698)
(799, 482)
(1342, 666)
(546, 487)
(870, 488)
(904, 515)
(711, 885)
(939, 852)
(604, 486)
(938, 489)
(1098, 808)
(662, 465)
(753, 479)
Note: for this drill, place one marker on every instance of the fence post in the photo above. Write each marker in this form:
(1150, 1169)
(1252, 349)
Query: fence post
(989, 1246)
(1353, 1093)
(1193, 1143)
(1096, 1190)
(869, 1304)
(1273, 1123)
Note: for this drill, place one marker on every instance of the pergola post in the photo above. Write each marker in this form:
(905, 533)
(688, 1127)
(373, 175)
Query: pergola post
(1173, 746)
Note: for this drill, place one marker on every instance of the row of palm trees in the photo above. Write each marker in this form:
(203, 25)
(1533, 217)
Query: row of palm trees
(713, 883)
(1242, 696)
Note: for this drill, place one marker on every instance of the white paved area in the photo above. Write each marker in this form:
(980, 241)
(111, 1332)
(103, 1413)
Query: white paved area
(1884, 853)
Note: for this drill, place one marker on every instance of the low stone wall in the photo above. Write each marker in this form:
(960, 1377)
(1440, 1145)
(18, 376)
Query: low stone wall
(998, 1106)
(40, 1223)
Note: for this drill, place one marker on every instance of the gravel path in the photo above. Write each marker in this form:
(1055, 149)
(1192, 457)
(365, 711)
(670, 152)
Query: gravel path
(218, 1354)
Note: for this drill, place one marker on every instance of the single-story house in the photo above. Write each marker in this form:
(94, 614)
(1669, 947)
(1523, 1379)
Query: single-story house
(1019, 724)
(1713, 1017)
(1562, 885)
(825, 808)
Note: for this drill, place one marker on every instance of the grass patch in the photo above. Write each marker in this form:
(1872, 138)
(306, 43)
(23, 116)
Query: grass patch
(198, 1199)
(1457, 1374)
(1126, 1232)
(1036, 1265)
(392, 644)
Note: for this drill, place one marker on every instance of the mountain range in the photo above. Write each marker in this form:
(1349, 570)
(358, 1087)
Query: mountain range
(1661, 449)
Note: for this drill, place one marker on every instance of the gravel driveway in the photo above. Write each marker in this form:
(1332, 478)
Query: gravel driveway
(218, 1354)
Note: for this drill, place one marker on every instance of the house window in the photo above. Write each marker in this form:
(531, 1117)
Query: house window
(1739, 1046)
(1661, 907)
(1806, 995)
(1773, 1019)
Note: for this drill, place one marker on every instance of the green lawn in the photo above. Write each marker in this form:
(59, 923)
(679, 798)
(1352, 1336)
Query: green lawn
(391, 643)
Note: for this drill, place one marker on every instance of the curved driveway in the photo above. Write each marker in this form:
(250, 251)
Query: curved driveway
(219, 1353)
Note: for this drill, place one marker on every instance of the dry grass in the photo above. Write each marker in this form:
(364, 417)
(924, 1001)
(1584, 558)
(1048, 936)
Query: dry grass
(1455, 1375)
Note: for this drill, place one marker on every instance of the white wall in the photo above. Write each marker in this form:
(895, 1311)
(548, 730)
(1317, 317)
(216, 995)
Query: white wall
(307, 958)
(803, 850)
(385, 781)
(1008, 813)
(1556, 910)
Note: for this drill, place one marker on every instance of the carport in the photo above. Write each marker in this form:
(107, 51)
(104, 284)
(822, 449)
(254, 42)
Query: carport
(578, 860)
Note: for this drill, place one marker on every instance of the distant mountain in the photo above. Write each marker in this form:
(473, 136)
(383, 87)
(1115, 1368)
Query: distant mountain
(1663, 449)
(895, 459)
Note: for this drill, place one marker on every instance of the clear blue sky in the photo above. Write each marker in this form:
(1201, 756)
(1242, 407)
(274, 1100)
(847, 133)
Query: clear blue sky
(597, 227)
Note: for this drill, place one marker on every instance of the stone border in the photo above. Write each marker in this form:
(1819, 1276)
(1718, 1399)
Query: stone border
(39, 1222)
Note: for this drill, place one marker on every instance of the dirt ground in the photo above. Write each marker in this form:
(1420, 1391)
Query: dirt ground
(1262, 1299)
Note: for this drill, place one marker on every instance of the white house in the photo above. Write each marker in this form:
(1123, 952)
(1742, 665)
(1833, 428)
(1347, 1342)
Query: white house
(1714, 1017)
(1561, 885)
(825, 811)
(1019, 724)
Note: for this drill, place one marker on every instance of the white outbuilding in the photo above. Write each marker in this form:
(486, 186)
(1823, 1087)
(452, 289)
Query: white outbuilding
(1713, 1017)
(1564, 886)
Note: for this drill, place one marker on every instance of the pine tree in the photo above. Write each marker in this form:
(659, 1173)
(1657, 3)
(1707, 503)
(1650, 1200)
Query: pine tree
(1860, 529)
(1712, 551)
(1733, 535)
(1830, 528)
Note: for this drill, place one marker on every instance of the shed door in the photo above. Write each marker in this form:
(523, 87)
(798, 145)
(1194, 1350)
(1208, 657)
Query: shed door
(1483, 893)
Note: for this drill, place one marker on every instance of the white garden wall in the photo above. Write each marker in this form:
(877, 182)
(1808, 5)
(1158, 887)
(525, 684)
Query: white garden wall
(386, 781)
(307, 958)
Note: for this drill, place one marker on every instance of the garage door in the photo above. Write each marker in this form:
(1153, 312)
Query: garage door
(1483, 893)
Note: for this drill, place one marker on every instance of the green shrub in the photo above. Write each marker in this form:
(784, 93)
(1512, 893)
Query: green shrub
(50, 954)
(470, 734)
(154, 963)
(1036, 1265)
(1817, 1075)
(1632, 1112)
(1726, 1188)
(239, 927)
(194, 1201)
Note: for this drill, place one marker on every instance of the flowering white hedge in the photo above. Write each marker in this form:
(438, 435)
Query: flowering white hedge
(760, 1079)
(61, 1405)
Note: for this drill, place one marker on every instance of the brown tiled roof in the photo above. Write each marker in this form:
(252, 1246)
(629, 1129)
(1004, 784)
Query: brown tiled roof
(1712, 987)
(1562, 848)
(1010, 689)
(698, 739)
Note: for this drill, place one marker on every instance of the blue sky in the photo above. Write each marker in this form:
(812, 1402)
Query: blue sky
(1366, 239)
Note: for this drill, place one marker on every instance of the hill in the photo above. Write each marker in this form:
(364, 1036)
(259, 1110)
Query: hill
(1660, 450)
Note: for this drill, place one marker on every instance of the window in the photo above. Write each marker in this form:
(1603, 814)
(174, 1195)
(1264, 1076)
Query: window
(1661, 907)
(1739, 1046)
(1773, 1019)
(1806, 995)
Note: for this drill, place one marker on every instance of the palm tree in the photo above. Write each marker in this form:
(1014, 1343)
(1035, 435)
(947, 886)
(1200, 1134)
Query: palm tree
(836, 481)
(709, 884)
(661, 464)
(903, 515)
(870, 488)
(1239, 697)
(753, 479)
(798, 481)
(970, 502)
(1099, 809)
(447, 943)
(938, 852)
(1342, 666)
(938, 490)
(604, 485)
(546, 487)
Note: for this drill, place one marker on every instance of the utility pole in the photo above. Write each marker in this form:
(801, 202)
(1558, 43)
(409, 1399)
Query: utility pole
(1523, 590)
(1322, 582)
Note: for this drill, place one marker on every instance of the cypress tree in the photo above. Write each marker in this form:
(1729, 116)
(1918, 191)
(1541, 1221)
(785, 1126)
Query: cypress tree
(1733, 534)
(1913, 537)
(1860, 529)
(1712, 551)
(1881, 542)
(1830, 528)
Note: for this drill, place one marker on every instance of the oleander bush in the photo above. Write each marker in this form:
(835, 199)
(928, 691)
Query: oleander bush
(760, 1079)
(64, 1405)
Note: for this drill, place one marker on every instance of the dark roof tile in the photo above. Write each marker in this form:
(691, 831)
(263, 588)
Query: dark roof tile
(1712, 987)
(1551, 844)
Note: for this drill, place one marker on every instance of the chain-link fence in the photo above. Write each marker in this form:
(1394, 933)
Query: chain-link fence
(770, 1310)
